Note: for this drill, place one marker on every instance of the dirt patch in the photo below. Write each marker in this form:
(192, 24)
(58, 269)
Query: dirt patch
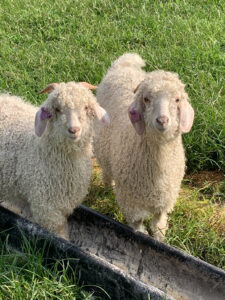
(201, 178)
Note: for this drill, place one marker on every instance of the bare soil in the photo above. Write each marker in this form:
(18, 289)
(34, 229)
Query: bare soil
(201, 178)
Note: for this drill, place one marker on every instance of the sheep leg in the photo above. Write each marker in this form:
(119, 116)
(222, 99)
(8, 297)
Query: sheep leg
(62, 230)
(139, 226)
(159, 226)
(107, 175)
(21, 207)
(134, 220)
(26, 211)
(107, 179)
(52, 220)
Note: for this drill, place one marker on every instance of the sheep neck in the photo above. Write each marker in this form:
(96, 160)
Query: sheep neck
(50, 147)
(160, 151)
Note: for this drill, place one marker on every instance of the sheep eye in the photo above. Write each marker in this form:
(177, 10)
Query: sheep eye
(147, 101)
(86, 107)
(58, 110)
(177, 100)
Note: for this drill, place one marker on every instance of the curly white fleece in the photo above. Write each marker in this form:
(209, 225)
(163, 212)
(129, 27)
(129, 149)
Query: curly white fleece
(148, 168)
(47, 176)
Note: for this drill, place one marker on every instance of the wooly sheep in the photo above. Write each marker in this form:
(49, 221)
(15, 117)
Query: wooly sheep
(142, 148)
(47, 175)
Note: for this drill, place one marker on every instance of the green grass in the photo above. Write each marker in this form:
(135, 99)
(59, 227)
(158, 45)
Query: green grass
(51, 41)
(196, 225)
(24, 277)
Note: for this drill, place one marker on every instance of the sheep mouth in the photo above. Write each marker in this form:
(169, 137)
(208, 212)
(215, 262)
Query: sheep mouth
(74, 137)
(161, 128)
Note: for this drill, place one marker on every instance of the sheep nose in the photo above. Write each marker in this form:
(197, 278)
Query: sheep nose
(74, 129)
(163, 120)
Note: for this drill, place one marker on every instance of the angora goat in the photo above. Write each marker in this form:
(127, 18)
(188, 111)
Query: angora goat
(47, 175)
(142, 149)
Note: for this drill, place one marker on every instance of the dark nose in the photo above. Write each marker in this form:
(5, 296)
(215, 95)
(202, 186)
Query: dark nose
(74, 129)
(163, 120)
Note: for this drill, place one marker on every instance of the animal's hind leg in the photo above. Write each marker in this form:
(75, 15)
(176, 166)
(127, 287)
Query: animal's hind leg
(107, 174)
(107, 178)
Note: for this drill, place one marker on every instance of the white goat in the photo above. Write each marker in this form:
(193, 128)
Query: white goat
(148, 163)
(47, 175)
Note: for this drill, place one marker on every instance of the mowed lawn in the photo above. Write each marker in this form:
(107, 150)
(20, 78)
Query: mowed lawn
(52, 41)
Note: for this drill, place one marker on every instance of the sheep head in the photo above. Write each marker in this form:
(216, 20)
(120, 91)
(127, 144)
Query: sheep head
(161, 106)
(68, 111)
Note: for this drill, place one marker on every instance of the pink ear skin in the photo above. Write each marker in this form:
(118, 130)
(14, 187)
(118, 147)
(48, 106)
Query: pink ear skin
(186, 117)
(45, 114)
(136, 117)
(102, 114)
(41, 119)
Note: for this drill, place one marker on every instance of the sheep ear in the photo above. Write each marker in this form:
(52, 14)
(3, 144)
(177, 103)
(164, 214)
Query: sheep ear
(49, 88)
(101, 114)
(41, 119)
(135, 113)
(88, 85)
(186, 117)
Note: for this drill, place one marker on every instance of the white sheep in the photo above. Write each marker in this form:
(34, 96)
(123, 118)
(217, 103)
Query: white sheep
(142, 149)
(47, 175)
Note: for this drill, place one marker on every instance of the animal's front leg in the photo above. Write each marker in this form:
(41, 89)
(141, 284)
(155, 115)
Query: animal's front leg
(139, 226)
(51, 219)
(159, 226)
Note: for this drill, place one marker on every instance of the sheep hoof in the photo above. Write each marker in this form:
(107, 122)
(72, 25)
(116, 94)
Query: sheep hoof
(139, 227)
(159, 236)
(108, 181)
(143, 230)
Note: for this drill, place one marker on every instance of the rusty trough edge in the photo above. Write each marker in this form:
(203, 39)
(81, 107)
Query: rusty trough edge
(90, 269)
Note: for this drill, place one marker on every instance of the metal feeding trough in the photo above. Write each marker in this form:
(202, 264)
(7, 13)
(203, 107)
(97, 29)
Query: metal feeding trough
(126, 265)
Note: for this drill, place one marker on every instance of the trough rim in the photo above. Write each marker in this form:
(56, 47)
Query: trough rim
(149, 241)
(15, 227)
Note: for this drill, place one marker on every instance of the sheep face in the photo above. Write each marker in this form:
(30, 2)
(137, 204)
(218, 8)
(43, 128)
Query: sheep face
(161, 106)
(68, 113)
(71, 117)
